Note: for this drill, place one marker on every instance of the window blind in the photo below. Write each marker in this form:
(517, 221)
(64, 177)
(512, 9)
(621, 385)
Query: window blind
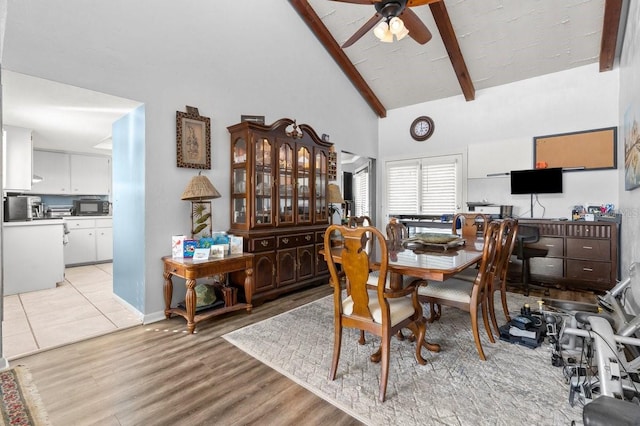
(361, 196)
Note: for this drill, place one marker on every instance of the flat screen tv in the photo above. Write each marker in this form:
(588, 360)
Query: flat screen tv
(536, 181)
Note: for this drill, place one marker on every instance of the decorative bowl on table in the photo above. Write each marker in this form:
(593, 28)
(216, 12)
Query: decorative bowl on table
(433, 240)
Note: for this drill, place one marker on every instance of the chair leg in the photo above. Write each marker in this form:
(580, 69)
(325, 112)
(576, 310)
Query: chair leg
(525, 276)
(361, 339)
(503, 296)
(476, 334)
(434, 314)
(384, 376)
(337, 342)
(492, 312)
(485, 318)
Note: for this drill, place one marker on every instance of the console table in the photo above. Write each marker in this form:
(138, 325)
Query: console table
(192, 270)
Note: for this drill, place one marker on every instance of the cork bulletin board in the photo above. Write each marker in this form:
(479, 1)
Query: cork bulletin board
(590, 149)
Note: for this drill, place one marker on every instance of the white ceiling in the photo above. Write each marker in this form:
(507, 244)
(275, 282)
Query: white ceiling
(62, 117)
(501, 41)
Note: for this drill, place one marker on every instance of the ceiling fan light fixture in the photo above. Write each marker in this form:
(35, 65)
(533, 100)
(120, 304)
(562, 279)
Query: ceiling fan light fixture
(402, 34)
(396, 25)
(381, 30)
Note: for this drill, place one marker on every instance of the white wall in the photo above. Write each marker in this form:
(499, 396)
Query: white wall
(630, 113)
(168, 56)
(510, 116)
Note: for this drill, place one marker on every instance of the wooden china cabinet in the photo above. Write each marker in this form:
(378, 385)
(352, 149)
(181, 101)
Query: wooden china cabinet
(279, 178)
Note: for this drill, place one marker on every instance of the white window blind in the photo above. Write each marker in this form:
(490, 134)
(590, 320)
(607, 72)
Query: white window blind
(361, 192)
(430, 186)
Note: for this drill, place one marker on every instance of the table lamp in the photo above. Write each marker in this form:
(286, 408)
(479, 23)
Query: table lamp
(334, 197)
(200, 188)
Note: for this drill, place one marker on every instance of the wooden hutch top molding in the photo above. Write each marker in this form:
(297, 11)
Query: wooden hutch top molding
(279, 127)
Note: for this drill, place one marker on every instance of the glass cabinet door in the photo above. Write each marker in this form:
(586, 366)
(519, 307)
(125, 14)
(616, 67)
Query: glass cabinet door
(321, 179)
(264, 185)
(285, 183)
(239, 182)
(303, 180)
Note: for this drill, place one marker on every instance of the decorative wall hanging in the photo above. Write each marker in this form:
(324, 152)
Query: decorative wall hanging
(193, 136)
(631, 134)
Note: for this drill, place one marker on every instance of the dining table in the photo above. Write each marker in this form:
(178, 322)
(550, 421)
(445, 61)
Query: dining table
(435, 263)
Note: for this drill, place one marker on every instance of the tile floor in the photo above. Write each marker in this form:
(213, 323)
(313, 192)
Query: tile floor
(82, 306)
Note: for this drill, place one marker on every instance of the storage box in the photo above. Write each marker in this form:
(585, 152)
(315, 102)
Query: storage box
(177, 246)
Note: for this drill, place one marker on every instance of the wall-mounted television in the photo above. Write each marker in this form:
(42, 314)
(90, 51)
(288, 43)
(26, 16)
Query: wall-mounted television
(536, 181)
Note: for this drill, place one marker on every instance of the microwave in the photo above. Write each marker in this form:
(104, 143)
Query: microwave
(91, 208)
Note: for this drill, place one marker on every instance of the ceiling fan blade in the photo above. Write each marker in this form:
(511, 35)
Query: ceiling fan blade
(358, 1)
(417, 29)
(413, 3)
(363, 30)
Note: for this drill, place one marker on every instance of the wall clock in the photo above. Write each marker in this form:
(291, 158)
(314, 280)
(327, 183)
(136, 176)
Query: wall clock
(422, 128)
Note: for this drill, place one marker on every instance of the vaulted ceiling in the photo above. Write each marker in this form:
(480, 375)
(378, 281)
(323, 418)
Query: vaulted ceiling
(476, 44)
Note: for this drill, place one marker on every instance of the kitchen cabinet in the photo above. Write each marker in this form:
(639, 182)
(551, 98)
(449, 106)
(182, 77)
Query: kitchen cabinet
(32, 255)
(17, 148)
(581, 255)
(71, 174)
(53, 168)
(90, 240)
(279, 179)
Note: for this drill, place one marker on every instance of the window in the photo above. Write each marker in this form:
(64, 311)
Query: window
(361, 192)
(428, 186)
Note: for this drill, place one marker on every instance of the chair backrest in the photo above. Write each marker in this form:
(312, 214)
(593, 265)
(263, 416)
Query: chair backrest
(487, 265)
(360, 221)
(471, 224)
(508, 230)
(526, 234)
(355, 266)
(396, 232)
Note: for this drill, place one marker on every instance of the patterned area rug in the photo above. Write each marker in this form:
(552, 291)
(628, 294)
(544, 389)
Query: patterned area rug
(21, 403)
(516, 385)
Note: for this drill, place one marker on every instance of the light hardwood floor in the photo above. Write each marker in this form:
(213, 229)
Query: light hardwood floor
(159, 375)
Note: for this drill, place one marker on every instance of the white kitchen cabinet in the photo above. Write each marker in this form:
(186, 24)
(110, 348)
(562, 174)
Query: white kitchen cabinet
(53, 168)
(71, 174)
(33, 255)
(90, 240)
(104, 240)
(90, 175)
(17, 154)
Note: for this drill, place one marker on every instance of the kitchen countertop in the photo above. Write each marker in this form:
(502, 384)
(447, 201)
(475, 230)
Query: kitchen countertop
(37, 222)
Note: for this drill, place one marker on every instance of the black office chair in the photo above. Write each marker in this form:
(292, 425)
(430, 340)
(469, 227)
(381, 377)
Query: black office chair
(528, 235)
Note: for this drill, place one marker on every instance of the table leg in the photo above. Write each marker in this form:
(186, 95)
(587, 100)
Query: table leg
(190, 301)
(168, 293)
(248, 286)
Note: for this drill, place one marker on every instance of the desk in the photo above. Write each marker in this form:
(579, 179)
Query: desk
(190, 271)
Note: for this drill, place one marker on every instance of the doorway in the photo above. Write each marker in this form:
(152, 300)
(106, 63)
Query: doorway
(358, 185)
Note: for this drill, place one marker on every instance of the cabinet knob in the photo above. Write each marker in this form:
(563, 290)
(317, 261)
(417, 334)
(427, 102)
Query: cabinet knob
(587, 269)
(308, 237)
(285, 240)
(264, 243)
(587, 248)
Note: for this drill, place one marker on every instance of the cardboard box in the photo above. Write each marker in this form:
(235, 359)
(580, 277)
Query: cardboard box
(177, 246)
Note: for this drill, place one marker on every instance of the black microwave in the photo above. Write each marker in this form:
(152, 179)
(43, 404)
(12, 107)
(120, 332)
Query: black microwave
(90, 208)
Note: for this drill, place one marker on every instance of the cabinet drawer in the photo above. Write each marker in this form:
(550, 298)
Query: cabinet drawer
(80, 223)
(104, 223)
(553, 244)
(547, 266)
(262, 244)
(579, 248)
(589, 271)
(287, 241)
(320, 237)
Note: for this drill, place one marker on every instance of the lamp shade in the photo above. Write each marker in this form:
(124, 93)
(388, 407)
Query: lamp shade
(335, 197)
(200, 188)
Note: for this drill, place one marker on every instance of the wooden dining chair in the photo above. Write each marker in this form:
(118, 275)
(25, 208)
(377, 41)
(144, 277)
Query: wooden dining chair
(379, 311)
(471, 224)
(467, 295)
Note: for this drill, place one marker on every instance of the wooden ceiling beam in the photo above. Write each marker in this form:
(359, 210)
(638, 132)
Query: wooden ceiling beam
(441, 16)
(610, 28)
(313, 21)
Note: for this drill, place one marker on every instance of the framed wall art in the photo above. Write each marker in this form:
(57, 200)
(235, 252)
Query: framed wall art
(193, 137)
(631, 134)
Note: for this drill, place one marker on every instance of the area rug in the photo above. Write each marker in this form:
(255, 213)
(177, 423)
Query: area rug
(515, 385)
(20, 404)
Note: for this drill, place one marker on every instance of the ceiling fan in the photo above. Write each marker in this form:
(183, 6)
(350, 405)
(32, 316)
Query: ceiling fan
(392, 18)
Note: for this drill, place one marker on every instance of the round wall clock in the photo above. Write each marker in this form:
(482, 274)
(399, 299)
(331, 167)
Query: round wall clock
(422, 128)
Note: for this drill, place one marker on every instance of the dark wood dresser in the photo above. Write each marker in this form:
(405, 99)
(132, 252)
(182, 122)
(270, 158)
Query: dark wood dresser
(581, 255)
